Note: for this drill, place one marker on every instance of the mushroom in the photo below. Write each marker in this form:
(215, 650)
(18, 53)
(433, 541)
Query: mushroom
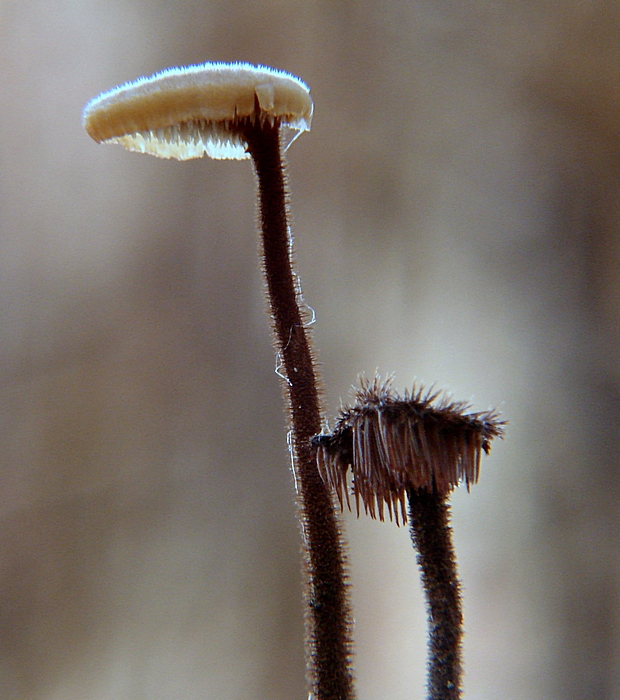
(239, 111)
(416, 448)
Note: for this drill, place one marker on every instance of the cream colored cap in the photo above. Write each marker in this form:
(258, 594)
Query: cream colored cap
(186, 112)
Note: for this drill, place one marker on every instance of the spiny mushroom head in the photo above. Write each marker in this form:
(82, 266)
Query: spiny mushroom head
(391, 444)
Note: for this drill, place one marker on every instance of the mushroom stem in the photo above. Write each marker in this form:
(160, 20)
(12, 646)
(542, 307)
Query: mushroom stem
(429, 514)
(328, 615)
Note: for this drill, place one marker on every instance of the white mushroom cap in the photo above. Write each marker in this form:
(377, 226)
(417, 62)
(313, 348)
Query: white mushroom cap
(186, 112)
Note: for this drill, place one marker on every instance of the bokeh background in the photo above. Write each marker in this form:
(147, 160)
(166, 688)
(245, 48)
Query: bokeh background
(456, 211)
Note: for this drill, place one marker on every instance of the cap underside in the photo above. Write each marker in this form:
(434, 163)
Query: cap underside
(187, 141)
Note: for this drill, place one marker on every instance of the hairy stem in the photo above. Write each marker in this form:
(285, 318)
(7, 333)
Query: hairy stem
(429, 515)
(328, 617)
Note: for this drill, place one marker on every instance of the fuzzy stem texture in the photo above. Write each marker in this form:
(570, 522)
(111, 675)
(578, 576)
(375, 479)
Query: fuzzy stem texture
(429, 516)
(328, 615)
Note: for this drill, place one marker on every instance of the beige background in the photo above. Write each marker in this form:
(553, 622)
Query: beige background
(456, 212)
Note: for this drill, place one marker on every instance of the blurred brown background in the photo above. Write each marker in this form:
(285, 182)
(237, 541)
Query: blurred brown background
(456, 211)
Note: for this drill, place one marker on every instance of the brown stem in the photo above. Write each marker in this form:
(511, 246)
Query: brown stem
(429, 515)
(328, 616)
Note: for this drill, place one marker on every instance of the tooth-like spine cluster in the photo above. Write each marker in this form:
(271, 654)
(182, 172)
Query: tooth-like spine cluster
(392, 444)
